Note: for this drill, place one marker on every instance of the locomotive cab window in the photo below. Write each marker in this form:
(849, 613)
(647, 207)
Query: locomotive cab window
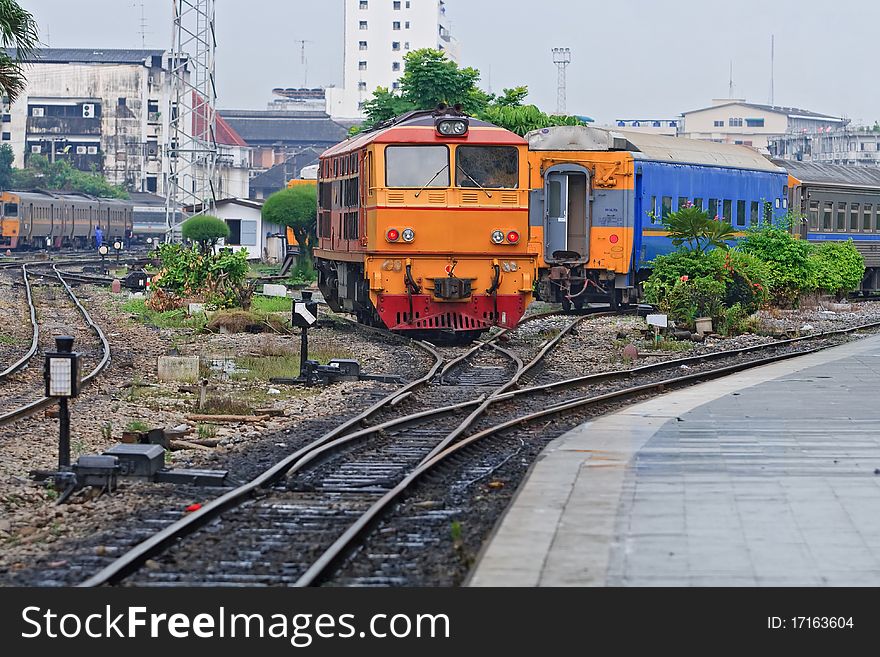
(10, 209)
(493, 167)
(417, 166)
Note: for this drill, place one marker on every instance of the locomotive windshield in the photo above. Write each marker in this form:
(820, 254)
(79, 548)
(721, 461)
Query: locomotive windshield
(10, 209)
(494, 167)
(417, 166)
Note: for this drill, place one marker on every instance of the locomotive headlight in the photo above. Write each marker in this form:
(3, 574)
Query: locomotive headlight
(452, 127)
(392, 235)
(497, 236)
(408, 234)
(388, 265)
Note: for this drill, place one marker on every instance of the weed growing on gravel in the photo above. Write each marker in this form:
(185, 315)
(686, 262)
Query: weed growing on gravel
(107, 431)
(271, 304)
(137, 425)
(7, 339)
(207, 431)
(168, 319)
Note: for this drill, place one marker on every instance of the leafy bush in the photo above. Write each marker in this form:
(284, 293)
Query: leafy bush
(205, 230)
(680, 284)
(791, 272)
(216, 277)
(746, 281)
(693, 298)
(839, 267)
(667, 271)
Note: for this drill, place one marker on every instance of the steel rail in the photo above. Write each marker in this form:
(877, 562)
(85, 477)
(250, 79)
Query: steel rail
(321, 567)
(338, 437)
(35, 329)
(43, 402)
(134, 558)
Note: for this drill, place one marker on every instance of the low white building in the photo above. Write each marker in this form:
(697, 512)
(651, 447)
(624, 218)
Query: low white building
(247, 230)
(736, 121)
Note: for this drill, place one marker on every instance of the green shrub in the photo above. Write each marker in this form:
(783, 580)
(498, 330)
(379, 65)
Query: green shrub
(693, 298)
(205, 230)
(790, 269)
(216, 277)
(746, 281)
(839, 267)
(667, 271)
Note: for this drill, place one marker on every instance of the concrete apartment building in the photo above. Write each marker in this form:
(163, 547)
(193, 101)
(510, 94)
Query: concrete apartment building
(853, 146)
(377, 35)
(108, 109)
(736, 121)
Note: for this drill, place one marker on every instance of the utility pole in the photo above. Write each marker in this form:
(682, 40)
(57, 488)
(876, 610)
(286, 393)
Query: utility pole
(562, 58)
(772, 64)
(191, 152)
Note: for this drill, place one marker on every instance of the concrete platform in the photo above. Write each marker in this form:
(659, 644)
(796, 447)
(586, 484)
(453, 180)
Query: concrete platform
(765, 478)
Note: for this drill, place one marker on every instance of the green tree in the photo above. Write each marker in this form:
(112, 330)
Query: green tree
(206, 230)
(6, 171)
(296, 207)
(430, 78)
(694, 229)
(61, 175)
(18, 31)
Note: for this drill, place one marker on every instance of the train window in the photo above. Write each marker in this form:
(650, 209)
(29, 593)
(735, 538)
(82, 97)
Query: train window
(867, 210)
(10, 209)
(554, 198)
(683, 202)
(652, 211)
(666, 210)
(728, 210)
(495, 167)
(827, 211)
(768, 212)
(841, 217)
(814, 215)
(417, 166)
(713, 208)
(698, 203)
(740, 213)
(854, 216)
(754, 217)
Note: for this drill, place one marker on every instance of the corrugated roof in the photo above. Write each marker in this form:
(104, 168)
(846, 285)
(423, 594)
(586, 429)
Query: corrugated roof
(276, 177)
(261, 127)
(662, 148)
(832, 174)
(779, 109)
(90, 55)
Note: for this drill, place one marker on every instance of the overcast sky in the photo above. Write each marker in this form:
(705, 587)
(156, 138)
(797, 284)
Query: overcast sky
(630, 58)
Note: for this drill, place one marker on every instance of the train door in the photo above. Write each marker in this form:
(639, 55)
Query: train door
(567, 215)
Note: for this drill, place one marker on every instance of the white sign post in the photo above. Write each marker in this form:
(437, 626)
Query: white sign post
(657, 321)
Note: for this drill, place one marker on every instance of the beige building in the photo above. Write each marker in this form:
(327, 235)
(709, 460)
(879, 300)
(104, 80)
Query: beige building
(736, 121)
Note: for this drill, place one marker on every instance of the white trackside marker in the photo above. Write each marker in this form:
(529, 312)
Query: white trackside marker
(301, 310)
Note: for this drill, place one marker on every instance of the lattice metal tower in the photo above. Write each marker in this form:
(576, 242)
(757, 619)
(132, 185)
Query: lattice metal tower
(191, 145)
(562, 58)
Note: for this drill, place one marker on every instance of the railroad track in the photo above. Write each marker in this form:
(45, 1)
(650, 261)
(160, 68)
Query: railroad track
(297, 523)
(314, 494)
(24, 403)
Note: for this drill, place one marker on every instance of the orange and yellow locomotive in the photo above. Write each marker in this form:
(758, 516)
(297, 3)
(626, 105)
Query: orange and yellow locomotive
(423, 225)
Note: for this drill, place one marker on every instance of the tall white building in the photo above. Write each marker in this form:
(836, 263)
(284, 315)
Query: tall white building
(378, 33)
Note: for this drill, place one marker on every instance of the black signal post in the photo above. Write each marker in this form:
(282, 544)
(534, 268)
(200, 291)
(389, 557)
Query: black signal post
(62, 382)
(305, 314)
